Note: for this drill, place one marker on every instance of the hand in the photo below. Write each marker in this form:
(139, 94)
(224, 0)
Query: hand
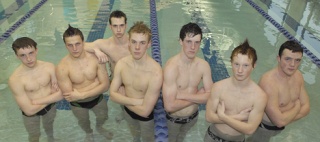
(201, 90)
(122, 90)
(103, 58)
(73, 96)
(138, 102)
(244, 114)
(221, 109)
(54, 87)
(297, 103)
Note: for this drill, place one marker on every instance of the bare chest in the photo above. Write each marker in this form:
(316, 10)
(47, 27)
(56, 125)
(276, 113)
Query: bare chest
(188, 78)
(136, 80)
(36, 81)
(288, 93)
(82, 71)
(237, 101)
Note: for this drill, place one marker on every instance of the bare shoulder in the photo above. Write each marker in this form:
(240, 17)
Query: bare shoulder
(201, 61)
(64, 62)
(268, 77)
(47, 64)
(221, 84)
(258, 90)
(171, 63)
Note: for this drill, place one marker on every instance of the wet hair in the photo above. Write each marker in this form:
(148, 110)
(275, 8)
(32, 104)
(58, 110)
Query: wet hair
(192, 29)
(117, 14)
(140, 27)
(292, 46)
(23, 42)
(245, 49)
(71, 31)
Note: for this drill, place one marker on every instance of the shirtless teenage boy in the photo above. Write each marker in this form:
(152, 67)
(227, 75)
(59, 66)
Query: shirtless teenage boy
(35, 89)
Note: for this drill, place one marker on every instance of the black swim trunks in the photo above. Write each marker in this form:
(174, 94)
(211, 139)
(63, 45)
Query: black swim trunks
(274, 128)
(41, 112)
(217, 138)
(182, 120)
(138, 117)
(89, 104)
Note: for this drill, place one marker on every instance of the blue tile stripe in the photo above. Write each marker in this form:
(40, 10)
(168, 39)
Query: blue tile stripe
(313, 58)
(16, 25)
(97, 31)
(15, 6)
(100, 23)
(161, 130)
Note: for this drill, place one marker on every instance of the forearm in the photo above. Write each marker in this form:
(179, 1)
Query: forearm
(141, 110)
(124, 100)
(33, 109)
(101, 88)
(212, 117)
(242, 127)
(54, 97)
(304, 111)
(285, 117)
(177, 105)
(196, 98)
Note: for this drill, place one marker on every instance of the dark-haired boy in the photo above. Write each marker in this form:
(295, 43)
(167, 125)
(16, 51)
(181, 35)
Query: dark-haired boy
(83, 80)
(35, 89)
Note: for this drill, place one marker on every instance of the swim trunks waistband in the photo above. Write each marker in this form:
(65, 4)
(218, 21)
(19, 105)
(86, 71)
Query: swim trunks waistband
(182, 120)
(262, 125)
(89, 104)
(217, 138)
(138, 117)
(41, 112)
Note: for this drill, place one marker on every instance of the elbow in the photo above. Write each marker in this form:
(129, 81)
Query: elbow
(280, 124)
(145, 114)
(111, 97)
(250, 132)
(29, 112)
(208, 119)
(106, 87)
(168, 108)
(307, 111)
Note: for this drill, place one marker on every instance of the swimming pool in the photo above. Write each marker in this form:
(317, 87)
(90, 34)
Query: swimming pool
(225, 24)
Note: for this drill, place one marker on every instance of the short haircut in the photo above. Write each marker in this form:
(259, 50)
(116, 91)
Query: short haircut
(292, 46)
(190, 28)
(140, 27)
(117, 14)
(71, 31)
(245, 49)
(23, 42)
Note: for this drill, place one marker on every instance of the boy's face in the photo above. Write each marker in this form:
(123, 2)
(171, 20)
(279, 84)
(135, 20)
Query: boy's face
(28, 56)
(74, 45)
(118, 26)
(289, 62)
(138, 45)
(241, 67)
(190, 45)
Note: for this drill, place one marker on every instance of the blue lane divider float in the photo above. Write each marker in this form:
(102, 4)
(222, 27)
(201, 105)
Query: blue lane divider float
(97, 31)
(313, 58)
(16, 25)
(161, 130)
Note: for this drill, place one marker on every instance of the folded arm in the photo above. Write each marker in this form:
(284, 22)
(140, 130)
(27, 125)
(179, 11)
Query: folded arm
(23, 101)
(170, 91)
(115, 95)
(151, 96)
